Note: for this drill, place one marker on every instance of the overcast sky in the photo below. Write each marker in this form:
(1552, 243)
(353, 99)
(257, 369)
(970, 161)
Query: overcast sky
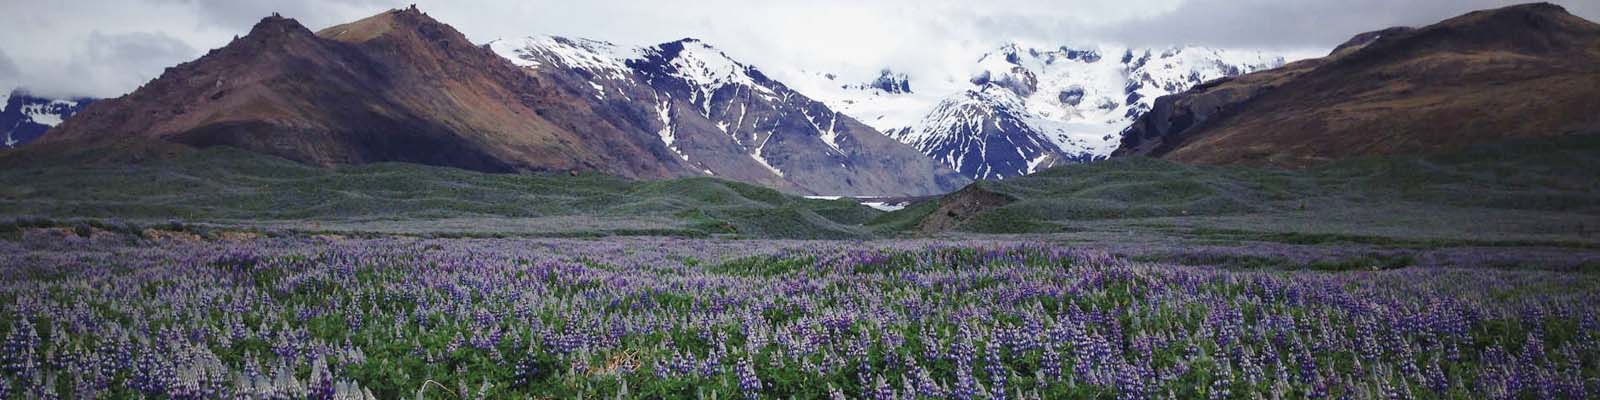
(106, 48)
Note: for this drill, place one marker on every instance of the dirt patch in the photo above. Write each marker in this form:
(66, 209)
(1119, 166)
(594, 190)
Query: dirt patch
(237, 236)
(961, 206)
(166, 235)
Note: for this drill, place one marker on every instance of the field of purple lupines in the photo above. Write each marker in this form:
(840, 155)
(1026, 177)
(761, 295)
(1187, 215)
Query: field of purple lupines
(678, 318)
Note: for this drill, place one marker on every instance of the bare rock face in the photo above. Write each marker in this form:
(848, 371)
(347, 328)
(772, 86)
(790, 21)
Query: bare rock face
(1519, 71)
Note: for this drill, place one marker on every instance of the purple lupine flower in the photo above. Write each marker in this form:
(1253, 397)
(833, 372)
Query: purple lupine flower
(1221, 388)
(749, 383)
(321, 384)
(881, 390)
(1436, 380)
(997, 373)
(966, 388)
(1050, 363)
(19, 350)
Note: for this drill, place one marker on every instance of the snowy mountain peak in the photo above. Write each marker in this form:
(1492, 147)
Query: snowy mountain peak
(717, 115)
(25, 117)
(888, 81)
(1075, 98)
(698, 64)
(602, 58)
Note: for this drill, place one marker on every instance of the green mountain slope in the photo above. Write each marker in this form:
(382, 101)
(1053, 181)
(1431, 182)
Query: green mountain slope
(1534, 190)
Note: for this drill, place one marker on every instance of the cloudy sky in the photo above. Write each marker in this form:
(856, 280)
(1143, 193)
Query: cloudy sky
(105, 48)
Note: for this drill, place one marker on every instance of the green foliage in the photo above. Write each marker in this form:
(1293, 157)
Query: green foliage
(222, 186)
(1489, 194)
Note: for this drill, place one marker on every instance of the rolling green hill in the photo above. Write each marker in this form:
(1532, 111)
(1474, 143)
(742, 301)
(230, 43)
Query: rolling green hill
(236, 188)
(1527, 191)
(1532, 192)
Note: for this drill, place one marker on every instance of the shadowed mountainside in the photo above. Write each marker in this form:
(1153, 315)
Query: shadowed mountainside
(1520, 71)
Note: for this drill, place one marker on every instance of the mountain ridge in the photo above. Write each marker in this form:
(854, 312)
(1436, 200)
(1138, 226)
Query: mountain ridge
(1517, 71)
(1023, 108)
(401, 86)
(729, 119)
(24, 116)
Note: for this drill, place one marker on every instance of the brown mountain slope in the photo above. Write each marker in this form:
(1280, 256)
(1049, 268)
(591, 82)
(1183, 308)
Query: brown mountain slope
(397, 86)
(1519, 71)
(400, 86)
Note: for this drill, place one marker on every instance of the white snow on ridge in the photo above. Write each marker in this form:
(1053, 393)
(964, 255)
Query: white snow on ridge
(829, 135)
(597, 57)
(876, 108)
(762, 160)
(1078, 97)
(705, 69)
(667, 132)
(47, 114)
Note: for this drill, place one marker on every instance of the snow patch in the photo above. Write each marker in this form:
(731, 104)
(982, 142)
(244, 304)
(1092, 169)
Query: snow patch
(762, 160)
(882, 206)
(603, 59)
(1079, 97)
(829, 135)
(48, 114)
(668, 135)
(1033, 165)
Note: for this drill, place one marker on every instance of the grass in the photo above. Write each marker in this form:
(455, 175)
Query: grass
(229, 187)
(1536, 192)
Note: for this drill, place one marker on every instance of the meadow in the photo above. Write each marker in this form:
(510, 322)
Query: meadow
(329, 318)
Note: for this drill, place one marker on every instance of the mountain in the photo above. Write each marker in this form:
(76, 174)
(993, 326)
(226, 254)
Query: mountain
(397, 86)
(1024, 108)
(1520, 71)
(728, 119)
(24, 117)
(400, 86)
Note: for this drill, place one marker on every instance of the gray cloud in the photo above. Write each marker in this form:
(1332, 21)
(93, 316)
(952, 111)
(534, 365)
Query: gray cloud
(239, 15)
(108, 47)
(1297, 24)
(104, 62)
(8, 70)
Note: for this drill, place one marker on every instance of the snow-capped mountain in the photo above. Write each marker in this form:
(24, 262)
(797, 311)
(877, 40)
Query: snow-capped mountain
(724, 118)
(1025, 108)
(24, 117)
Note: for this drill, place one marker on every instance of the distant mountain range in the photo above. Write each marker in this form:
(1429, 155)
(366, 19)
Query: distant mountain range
(1521, 71)
(402, 87)
(25, 117)
(723, 118)
(1026, 108)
